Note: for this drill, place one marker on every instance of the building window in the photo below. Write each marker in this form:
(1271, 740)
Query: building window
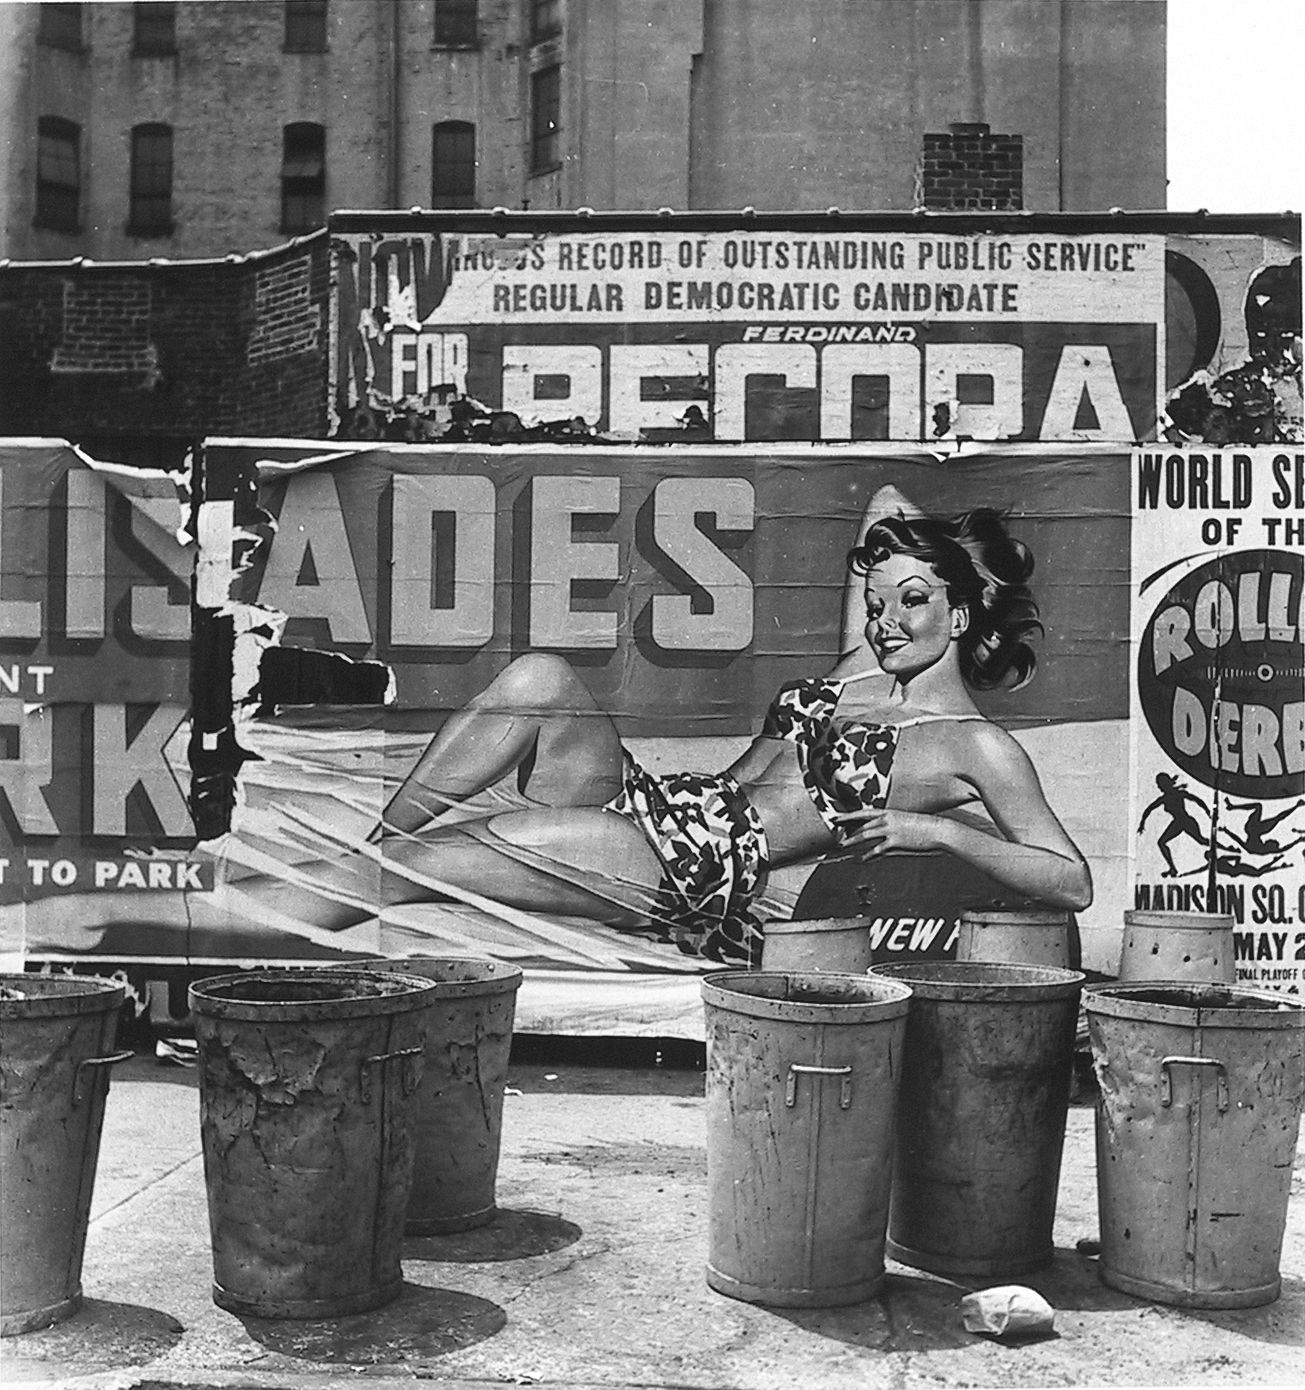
(305, 26)
(545, 20)
(545, 118)
(58, 173)
(453, 165)
(151, 181)
(60, 25)
(155, 31)
(455, 24)
(303, 177)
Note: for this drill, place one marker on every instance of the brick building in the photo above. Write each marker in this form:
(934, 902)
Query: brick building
(189, 129)
(168, 166)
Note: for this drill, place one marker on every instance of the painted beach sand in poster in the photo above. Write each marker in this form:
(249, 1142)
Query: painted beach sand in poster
(352, 607)
(1219, 723)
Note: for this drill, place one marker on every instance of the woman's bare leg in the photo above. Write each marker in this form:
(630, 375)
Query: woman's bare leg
(536, 721)
(583, 863)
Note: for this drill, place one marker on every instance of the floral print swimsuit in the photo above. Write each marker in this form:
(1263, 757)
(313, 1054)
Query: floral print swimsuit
(710, 840)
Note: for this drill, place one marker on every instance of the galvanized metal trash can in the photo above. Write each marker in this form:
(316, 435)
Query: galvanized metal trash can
(56, 1045)
(818, 943)
(459, 1102)
(1177, 946)
(981, 1125)
(1023, 937)
(802, 1075)
(306, 1116)
(1201, 1089)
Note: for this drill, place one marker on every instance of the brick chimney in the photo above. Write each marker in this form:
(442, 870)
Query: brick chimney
(971, 169)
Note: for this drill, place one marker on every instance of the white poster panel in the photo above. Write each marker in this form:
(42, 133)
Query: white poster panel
(1218, 700)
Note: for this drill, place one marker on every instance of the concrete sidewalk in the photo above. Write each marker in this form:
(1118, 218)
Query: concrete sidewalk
(592, 1275)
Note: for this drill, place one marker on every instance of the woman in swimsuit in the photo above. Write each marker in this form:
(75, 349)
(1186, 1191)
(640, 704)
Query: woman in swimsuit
(866, 758)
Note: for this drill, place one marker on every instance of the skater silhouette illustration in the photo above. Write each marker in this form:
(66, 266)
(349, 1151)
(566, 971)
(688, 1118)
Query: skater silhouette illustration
(1254, 838)
(1230, 865)
(1173, 801)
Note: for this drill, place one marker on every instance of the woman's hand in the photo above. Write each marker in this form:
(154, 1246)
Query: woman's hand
(887, 831)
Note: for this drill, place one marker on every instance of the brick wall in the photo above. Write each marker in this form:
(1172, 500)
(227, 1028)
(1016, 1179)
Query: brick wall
(135, 356)
(970, 168)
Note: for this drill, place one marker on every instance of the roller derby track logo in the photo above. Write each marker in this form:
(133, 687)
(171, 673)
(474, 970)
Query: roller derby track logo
(1221, 676)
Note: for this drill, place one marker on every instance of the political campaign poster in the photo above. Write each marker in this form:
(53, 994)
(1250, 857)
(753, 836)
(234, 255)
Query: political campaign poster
(1219, 696)
(667, 332)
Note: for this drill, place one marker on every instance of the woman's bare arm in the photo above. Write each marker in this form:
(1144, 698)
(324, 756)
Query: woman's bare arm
(1033, 855)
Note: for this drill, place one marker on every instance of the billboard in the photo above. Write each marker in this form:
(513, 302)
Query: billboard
(669, 331)
(442, 699)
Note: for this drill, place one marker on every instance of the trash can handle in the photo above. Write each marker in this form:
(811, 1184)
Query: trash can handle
(377, 1059)
(111, 1060)
(1166, 1084)
(844, 1091)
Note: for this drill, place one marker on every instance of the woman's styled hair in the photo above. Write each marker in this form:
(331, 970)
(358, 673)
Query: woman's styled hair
(986, 572)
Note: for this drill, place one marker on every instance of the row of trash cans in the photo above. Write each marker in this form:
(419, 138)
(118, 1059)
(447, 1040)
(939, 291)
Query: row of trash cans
(916, 1111)
(340, 1110)
(919, 1111)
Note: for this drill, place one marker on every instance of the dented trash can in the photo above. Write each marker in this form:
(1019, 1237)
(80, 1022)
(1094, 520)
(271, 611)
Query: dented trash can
(802, 1075)
(981, 1129)
(1201, 1089)
(841, 944)
(306, 1085)
(1177, 946)
(56, 1046)
(459, 1101)
(1024, 936)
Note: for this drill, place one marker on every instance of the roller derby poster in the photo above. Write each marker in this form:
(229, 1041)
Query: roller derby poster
(1218, 716)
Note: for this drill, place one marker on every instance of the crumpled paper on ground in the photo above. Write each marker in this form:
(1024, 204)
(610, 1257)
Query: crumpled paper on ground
(1009, 1310)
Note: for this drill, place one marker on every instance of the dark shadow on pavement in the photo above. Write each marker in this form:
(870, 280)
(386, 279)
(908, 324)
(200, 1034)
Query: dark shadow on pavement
(100, 1336)
(511, 1235)
(419, 1325)
(913, 1312)
(1070, 1282)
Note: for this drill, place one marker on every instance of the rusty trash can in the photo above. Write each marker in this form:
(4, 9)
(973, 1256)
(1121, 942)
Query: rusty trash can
(1201, 1089)
(981, 1128)
(56, 1046)
(307, 1080)
(459, 1102)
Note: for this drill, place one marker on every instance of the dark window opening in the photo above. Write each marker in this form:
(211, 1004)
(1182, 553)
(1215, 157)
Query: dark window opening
(545, 119)
(303, 177)
(60, 24)
(155, 29)
(545, 20)
(58, 173)
(453, 165)
(456, 24)
(151, 181)
(305, 26)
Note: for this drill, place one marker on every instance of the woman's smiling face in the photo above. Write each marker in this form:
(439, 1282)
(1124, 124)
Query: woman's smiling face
(909, 621)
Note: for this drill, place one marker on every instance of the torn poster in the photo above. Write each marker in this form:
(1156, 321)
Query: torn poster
(420, 681)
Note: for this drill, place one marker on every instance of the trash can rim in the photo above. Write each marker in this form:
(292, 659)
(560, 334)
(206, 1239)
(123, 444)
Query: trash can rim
(1200, 1003)
(817, 924)
(816, 1000)
(1184, 921)
(396, 994)
(1030, 917)
(991, 982)
(71, 994)
(501, 977)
